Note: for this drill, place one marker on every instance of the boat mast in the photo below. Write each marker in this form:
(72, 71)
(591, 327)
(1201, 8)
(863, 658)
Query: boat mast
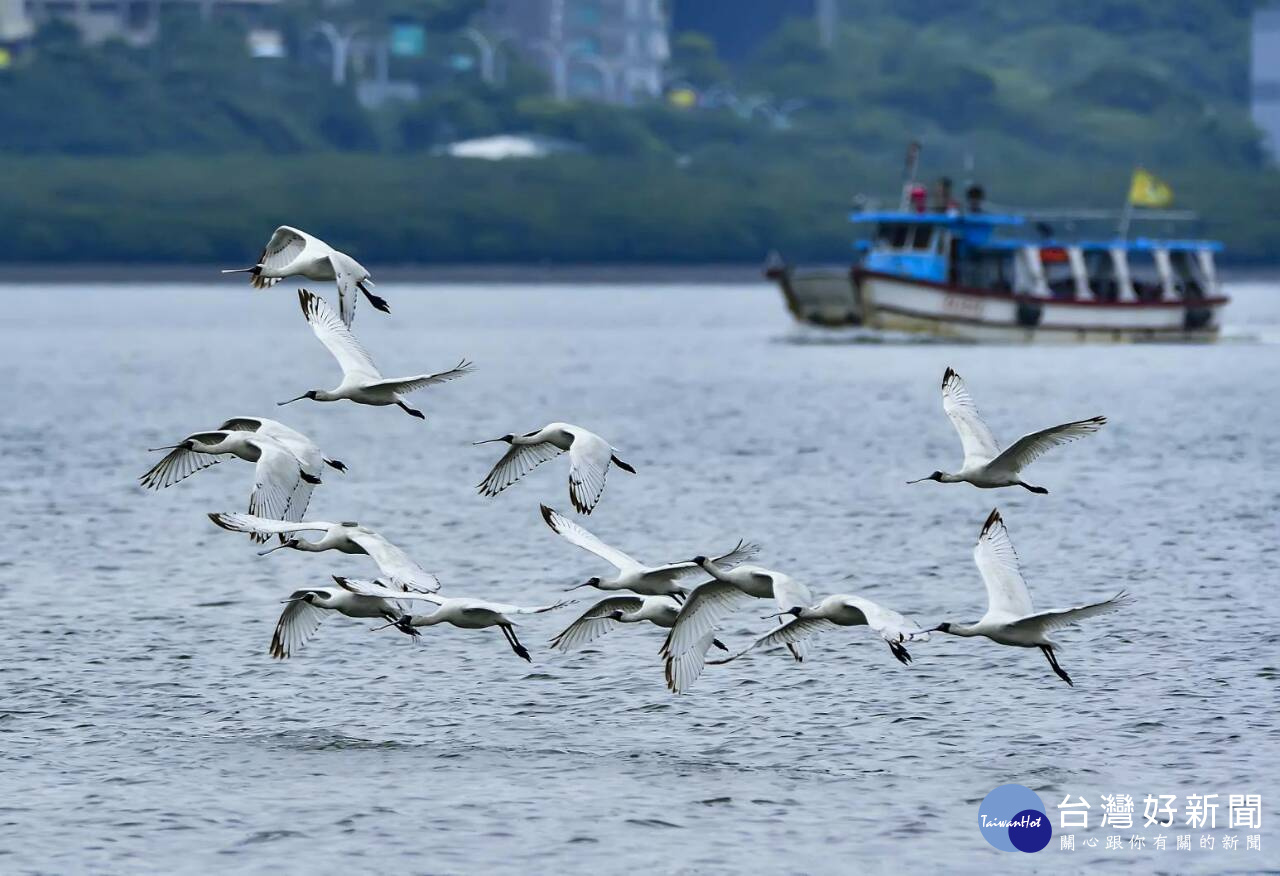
(909, 173)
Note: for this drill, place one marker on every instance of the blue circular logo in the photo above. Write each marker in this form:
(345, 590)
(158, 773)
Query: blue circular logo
(1012, 818)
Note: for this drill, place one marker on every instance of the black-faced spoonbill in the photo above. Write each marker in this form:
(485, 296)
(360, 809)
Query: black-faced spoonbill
(985, 465)
(840, 610)
(362, 383)
(291, 252)
(1010, 619)
(347, 538)
(632, 574)
(589, 459)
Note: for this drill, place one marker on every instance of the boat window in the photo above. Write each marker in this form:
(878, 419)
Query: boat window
(1102, 275)
(984, 269)
(893, 235)
(1144, 275)
(923, 237)
(1187, 279)
(1057, 272)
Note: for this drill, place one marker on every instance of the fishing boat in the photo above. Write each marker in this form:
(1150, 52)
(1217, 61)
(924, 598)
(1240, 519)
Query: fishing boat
(967, 274)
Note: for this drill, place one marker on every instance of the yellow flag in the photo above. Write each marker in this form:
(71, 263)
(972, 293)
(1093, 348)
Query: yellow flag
(1148, 190)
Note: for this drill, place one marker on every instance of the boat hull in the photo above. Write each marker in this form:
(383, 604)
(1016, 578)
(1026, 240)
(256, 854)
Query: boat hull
(893, 303)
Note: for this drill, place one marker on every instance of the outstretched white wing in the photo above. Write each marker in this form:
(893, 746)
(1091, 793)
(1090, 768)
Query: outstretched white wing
(403, 385)
(979, 444)
(1007, 595)
(704, 609)
(180, 463)
(285, 245)
(263, 527)
(380, 590)
(682, 670)
(595, 622)
(337, 338)
(398, 566)
(1029, 448)
(589, 457)
(675, 572)
(1046, 621)
(518, 461)
(276, 477)
(298, 623)
(346, 274)
(578, 535)
(791, 634)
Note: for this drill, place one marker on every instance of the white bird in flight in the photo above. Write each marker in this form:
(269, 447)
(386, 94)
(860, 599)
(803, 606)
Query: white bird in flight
(841, 610)
(305, 610)
(632, 574)
(685, 649)
(304, 450)
(605, 615)
(362, 383)
(589, 459)
(1010, 619)
(276, 470)
(291, 252)
(463, 612)
(985, 465)
(348, 538)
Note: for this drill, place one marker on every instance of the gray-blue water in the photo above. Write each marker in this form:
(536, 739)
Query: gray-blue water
(144, 728)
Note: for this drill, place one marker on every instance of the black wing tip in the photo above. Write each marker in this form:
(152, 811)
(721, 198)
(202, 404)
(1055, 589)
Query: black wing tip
(993, 520)
(547, 513)
(948, 375)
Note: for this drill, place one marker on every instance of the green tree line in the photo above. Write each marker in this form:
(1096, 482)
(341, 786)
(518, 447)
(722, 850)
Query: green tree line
(107, 148)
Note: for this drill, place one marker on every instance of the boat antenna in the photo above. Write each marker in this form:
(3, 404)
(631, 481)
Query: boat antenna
(909, 170)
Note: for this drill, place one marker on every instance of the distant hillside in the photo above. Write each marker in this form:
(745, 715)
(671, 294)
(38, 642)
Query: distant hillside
(1044, 101)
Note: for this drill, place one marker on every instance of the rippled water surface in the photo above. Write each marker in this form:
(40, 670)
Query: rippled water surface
(145, 729)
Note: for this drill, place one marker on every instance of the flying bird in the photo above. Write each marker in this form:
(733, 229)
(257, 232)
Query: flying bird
(633, 575)
(276, 470)
(463, 612)
(985, 465)
(306, 609)
(840, 610)
(348, 538)
(605, 615)
(685, 649)
(291, 252)
(304, 450)
(589, 459)
(1010, 619)
(362, 383)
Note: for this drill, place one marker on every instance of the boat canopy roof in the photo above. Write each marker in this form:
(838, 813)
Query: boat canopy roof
(977, 229)
(1140, 244)
(951, 220)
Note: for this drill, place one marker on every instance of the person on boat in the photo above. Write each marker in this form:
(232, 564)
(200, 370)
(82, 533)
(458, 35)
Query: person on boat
(919, 198)
(946, 203)
(975, 195)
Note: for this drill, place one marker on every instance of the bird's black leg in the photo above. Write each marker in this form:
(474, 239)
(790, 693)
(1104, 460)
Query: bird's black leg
(515, 643)
(1053, 661)
(1041, 490)
(900, 652)
(377, 302)
(719, 644)
(411, 411)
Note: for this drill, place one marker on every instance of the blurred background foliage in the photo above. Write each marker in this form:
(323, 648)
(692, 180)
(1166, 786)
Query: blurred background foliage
(190, 150)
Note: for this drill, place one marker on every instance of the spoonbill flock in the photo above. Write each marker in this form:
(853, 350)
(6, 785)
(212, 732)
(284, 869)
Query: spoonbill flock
(690, 595)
